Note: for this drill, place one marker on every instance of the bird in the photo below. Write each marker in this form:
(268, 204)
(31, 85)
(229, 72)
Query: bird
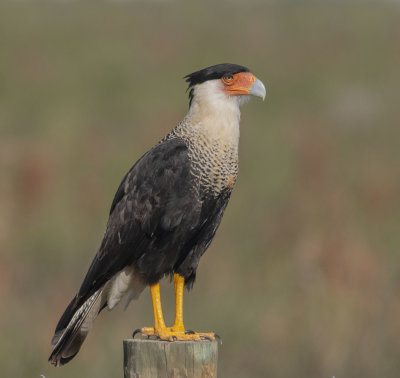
(166, 211)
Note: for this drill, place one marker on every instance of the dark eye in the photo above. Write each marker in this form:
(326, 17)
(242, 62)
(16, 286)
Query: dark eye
(227, 79)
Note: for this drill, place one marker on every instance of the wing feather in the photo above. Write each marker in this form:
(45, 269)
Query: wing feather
(152, 201)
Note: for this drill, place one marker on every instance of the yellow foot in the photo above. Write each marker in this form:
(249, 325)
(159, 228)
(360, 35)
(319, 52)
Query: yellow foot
(169, 334)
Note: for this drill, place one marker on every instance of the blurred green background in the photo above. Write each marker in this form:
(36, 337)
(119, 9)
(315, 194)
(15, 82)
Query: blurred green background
(303, 277)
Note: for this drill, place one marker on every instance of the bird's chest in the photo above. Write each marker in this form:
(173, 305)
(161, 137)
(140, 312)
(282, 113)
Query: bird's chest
(214, 165)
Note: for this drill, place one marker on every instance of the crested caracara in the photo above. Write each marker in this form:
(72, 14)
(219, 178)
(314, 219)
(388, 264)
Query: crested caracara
(166, 211)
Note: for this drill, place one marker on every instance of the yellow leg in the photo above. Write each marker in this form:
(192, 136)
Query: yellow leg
(159, 324)
(179, 282)
(177, 331)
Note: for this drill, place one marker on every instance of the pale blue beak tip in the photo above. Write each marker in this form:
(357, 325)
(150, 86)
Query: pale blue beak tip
(258, 89)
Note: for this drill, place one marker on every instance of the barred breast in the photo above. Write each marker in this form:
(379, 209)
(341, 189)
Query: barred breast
(214, 161)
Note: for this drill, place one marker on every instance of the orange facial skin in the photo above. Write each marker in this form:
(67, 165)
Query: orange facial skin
(238, 84)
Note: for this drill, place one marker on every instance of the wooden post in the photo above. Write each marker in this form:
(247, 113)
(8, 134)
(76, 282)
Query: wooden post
(145, 358)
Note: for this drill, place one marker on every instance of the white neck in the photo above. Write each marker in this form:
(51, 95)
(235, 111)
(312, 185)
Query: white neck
(215, 114)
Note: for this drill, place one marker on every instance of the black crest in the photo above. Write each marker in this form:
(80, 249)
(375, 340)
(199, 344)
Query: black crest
(212, 73)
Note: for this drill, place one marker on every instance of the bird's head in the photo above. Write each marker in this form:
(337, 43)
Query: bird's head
(224, 82)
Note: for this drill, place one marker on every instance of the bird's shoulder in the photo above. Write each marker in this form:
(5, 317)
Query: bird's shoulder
(155, 172)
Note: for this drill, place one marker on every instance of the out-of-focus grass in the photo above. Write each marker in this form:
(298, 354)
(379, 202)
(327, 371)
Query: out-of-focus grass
(302, 279)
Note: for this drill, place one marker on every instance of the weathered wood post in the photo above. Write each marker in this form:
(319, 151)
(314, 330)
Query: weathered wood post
(145, 358)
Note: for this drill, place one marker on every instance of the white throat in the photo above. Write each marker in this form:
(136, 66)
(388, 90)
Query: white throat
(216, 114)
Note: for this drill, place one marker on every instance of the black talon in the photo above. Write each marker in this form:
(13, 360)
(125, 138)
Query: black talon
(205, 337)
(135, 332)
(174, 338)
(189, 332)
(218, 337)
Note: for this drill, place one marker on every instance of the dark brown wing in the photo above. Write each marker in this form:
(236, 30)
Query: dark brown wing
(153, 200)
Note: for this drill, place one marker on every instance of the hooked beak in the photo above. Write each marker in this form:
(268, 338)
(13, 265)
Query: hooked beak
(258, 89)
